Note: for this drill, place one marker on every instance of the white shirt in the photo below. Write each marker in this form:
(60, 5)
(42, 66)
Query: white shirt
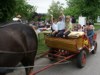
(61, 24)
(55, 27)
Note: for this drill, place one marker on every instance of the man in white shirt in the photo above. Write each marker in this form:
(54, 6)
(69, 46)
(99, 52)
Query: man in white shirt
(61, 25)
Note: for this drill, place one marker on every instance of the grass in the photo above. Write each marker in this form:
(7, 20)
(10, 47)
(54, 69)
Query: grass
(97, 26)
(41, 42)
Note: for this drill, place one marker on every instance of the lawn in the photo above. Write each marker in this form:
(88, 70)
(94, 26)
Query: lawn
(97, 26)
(41, 42)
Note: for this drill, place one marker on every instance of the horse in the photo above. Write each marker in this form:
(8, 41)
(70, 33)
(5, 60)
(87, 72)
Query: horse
(18, 43)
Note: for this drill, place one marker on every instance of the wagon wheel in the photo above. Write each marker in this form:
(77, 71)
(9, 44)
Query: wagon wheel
(51, 51)
(95, 48)
(81, 59)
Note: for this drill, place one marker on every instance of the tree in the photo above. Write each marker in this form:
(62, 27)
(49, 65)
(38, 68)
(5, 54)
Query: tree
(10, 8)
(88, 8)
(7, 9)
(55, 9)
(24, 9)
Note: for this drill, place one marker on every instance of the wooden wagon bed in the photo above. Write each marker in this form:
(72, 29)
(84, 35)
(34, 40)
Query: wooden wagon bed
(74, 43)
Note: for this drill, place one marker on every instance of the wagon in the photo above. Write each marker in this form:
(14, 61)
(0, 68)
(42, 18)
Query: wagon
(76, 45)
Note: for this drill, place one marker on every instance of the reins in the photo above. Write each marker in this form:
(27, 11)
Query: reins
(21, 67)
(9, 52)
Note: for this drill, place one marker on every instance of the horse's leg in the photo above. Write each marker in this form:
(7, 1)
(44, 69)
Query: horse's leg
(28, 61)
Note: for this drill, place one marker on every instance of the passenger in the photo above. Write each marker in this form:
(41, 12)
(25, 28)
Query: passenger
(54, 26)
(80, 28)
(90, 33)
(84, 29)
(69, 26)
(73, 20)
(61, 25)
(75, 27)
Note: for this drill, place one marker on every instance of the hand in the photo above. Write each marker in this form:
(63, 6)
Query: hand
(53, 32)
(64, 32)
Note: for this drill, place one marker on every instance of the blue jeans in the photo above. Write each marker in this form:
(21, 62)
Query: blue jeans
(90, 36)
(91, 40)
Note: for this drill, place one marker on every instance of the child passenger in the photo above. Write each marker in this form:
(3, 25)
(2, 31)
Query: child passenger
(54, 26)
(80, 28)
(69, 26)
(61, 25)
(84, 29)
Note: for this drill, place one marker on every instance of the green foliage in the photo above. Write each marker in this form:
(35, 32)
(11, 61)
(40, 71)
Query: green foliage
(41, 44)
(11, 8)
(7, 9)
(55, 9)
(97, 26)
(24, 9)
(88, 8)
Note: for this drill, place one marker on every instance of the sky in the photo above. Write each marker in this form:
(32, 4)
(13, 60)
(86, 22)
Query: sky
(43, 5)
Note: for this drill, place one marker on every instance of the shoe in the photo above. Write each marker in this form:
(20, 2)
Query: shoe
(91, 49)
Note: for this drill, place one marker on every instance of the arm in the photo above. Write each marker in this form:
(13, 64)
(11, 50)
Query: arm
(63, 16)
(92, 33)
(56, 29)
(51, 19)
(70, 28)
